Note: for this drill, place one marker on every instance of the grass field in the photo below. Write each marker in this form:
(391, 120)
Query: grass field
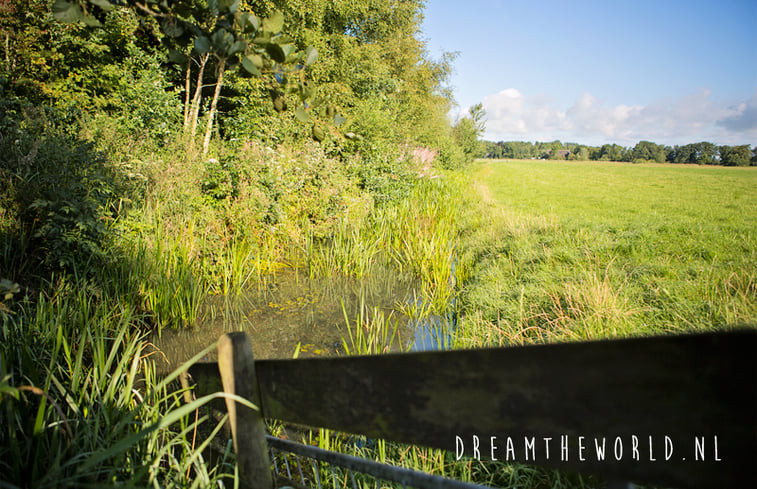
(575, 250)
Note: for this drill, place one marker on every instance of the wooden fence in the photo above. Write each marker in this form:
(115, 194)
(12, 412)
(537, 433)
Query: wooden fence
(671, 410)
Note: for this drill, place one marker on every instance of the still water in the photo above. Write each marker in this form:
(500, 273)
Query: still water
(292, 309)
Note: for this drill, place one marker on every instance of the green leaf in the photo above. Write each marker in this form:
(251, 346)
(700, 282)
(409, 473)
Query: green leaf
(287, 49)
(318, 133)
(250, 65)
(275, 52)
(222, 41)
(172, 27)
(339, 120)
(258, 60)
(311, 54)
(237, 47)
(306, 90)
(229, 6)
(279, 104)
(176, 56)
(202, 44)
(281, 39)
(65, 11)
(274, 23)
(301, 114)
(90, 21)
(103, 4)
(250, 23)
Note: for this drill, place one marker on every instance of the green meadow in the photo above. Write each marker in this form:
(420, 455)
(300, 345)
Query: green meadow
(562, 251)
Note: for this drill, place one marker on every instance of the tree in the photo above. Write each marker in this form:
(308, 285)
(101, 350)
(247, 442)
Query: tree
(579, 153)
(612, 152)
(217, 30)
(468, 129)
(735, 155)
(648, 151)
(706, 153)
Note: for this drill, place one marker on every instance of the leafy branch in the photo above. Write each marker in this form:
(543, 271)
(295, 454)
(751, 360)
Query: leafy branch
(217, 30)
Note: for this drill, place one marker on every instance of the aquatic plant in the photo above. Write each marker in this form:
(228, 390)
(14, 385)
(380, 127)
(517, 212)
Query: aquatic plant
(80, 403)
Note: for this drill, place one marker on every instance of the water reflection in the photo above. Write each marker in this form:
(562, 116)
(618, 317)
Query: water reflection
(294, 310)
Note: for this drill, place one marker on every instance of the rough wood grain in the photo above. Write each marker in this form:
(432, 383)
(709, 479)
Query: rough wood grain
(687, 388)
(237, 369)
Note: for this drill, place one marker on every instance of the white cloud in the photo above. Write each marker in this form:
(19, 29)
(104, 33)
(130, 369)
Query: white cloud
(512, 115)
(743, 117)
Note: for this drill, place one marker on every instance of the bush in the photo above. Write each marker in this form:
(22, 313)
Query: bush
(384, 172)
(58, 193)
(220, 180)
(451, 157)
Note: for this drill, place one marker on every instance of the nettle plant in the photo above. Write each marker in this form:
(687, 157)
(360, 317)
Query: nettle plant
(217, 32)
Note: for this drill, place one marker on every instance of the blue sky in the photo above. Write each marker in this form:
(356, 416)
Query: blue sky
(597, 72)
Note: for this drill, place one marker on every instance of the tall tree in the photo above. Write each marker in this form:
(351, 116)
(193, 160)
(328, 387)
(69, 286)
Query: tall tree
(648, 151)
(735, 155)
(612, 152)
(468, 129)
(218, 30)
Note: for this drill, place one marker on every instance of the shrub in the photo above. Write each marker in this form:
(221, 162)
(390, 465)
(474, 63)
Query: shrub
(220, 180)
(383, 171)
(451, 157)
(58, 193)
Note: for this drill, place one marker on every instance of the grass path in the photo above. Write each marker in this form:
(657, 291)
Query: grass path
(577, 250)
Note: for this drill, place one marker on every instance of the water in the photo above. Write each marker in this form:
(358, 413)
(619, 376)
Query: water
(294, 310)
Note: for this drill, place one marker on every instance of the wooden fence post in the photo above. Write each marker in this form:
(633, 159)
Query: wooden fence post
(237, 368)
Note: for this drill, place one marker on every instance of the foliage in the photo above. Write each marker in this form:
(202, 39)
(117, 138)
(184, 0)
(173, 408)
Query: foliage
(468, 129)
(196, 33)
(147, 106)
(703, 153)
(81, 405)
(735, 155)
(60, 193)
(220, 181)
(372, 69)
(383, 172)
(102, 185)
(646, 151)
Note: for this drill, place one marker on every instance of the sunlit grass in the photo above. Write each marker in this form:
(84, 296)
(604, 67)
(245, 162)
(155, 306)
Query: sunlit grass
(583, 250)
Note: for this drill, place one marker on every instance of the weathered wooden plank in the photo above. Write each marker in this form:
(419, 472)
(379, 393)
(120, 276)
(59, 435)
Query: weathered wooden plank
(691, 389)
(237, 369)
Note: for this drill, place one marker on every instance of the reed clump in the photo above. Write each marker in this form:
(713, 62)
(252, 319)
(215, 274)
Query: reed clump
(77, 383)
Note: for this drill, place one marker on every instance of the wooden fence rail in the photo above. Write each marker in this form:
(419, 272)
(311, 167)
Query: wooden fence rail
(673, 410)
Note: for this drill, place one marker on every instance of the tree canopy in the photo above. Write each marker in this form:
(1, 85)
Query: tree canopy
(702, 153)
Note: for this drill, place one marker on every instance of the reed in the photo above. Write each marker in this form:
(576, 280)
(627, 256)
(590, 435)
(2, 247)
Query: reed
(82, 406)
(371, 333)
(165, 271)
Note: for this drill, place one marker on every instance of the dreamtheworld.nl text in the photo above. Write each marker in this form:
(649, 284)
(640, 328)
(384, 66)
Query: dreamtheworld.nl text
(583, 448)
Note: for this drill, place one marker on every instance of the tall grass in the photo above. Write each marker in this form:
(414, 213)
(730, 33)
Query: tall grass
(416, 236)
(371, 333)
(80, 404)
(165, 272)
(572, 251)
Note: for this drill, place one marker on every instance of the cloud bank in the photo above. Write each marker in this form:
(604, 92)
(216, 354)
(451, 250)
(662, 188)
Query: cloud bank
(511, 115)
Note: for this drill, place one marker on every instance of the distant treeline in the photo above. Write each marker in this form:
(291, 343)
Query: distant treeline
(703, 153)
